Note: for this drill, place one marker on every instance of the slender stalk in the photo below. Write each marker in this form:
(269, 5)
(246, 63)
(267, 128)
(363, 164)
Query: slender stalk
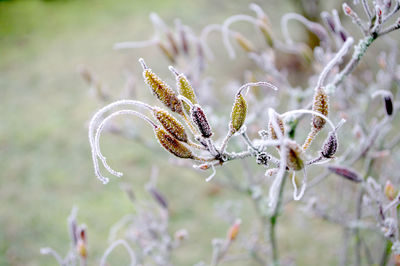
(386, 252)
(273, 222)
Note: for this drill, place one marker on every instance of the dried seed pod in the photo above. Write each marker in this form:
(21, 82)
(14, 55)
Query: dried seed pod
(200, 120)
(244, 43)
(170, 124)
(295, 156)
(346, 173)
(172, 145)
(271, 130)
(161, 90)
(330, 146)
(239, 112)
(184, 89)
(320, 105)
(388, 105)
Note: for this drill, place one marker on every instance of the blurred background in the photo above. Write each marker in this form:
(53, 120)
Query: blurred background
(45, 163)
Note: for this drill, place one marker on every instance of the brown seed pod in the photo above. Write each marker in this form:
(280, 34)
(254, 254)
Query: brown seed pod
(172, 145)
(239, 112)
(170, 124)
(200, 120)
(320, 105)
(161, 90)
(271, 130)
(295, 156)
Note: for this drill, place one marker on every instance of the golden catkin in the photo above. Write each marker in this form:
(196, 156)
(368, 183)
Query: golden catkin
(170, 124)
(186, 89)
(239, 112)
(281, 126)
(162, 91)
(172, 145)
(295, 156)
(320, 105)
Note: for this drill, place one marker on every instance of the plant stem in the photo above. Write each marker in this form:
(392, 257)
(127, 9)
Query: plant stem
(386, 253)
(273, 221)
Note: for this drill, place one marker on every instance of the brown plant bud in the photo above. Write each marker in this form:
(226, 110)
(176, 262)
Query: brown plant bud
(158, 197)
(346, 173)
(266, 32)
(172, 42)
(320, 105)
(164, 49)
(388, 105)
(271, 131)
(238, 114)
(172, 145)
(244, 43)
(161, 90)
(330, 146)
(295, 156)
(200, 120)
(234, 230)
(184, 89)
(81, 249)
(170, 124)
(390, 191)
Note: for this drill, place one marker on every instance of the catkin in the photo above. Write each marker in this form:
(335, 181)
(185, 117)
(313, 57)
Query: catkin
(172, 145)
(200, 120)
(186, 89)
(170, 124)
(320, 105)
(239, 112)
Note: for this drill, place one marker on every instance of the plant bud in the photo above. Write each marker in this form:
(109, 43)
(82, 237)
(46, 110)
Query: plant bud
(266, 32)
(172, 145)
(272, 132)
(244, 43)
(200, 120)
(170, 124)
(234, 230)
(81, 249)
(172, 42)
(388, 105)
(320, 105)
(185, 89)
(166, 52)
(330, 146)
(238, 114)
(161, 90)
(158, 197)
(345, 172)
(295, 156)
(390, 191)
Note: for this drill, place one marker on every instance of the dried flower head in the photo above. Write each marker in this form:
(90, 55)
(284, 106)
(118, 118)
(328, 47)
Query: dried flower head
(161, 90)
(172, 145)
(320, 105)
(239, 112)
(200, 120)
(295, 156)
(171, 124)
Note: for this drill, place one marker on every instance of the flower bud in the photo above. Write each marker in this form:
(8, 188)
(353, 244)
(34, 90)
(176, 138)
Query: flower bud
(170, 124)
(200, 120)
(164, 49)
(81, 249)
(388, 105)
(158, 197)
(320, 105)
(244, 43)
(330, 146)
(234, 230)
(161, 90)
(346, 173)
(172, 145)
(390, 191)
(271, 130)
(295, 156)
(266, 32)
(238, 114)
(184, 89)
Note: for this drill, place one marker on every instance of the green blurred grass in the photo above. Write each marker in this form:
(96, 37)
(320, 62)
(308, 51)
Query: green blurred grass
(45, 158)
